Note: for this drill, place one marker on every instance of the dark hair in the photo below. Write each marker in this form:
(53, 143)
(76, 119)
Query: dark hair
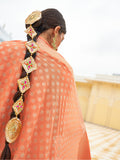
(50, 19)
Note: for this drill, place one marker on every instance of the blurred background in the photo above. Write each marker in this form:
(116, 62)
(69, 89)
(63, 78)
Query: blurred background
(92, 42)
(92, 48)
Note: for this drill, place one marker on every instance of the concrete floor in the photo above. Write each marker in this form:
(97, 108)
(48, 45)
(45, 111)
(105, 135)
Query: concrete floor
(104, 142)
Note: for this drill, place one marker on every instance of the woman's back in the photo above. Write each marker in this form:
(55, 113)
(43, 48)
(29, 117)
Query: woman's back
(52, 125)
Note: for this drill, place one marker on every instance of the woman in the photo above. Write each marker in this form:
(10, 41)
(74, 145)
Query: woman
(40, 100)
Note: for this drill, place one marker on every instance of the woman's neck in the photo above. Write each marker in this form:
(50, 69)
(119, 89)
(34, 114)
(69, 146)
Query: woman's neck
(47, 35)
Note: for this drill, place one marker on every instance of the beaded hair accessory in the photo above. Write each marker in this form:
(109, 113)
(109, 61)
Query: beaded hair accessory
(14, 125)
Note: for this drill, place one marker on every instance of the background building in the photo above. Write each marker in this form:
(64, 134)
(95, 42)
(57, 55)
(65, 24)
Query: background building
(99, 99)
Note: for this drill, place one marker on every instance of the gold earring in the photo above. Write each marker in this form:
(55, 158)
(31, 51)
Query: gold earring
(54, 43)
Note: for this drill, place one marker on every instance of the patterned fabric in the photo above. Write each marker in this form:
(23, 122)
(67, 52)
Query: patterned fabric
(52, 124)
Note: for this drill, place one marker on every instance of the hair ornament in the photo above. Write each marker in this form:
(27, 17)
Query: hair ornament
(33, 17)
(14, 125)
(31, 32)
(29, 64)
(18, 106)
(13, 129)
(24, 84)
(32, 46)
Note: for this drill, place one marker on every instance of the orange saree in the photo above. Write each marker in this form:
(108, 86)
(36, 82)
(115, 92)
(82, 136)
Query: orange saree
(52, 125)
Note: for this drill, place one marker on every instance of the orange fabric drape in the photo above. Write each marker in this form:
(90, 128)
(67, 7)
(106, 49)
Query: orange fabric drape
(52, 124)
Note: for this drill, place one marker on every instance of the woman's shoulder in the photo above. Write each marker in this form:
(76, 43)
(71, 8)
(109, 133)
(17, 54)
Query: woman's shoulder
(10, 49)
(10, 44)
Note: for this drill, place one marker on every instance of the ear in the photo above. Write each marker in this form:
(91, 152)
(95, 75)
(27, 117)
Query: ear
(56, 30)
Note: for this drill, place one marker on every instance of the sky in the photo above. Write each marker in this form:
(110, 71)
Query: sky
(92, 42)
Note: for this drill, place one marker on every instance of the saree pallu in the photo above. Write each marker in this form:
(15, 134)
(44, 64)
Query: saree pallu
(52, 124)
